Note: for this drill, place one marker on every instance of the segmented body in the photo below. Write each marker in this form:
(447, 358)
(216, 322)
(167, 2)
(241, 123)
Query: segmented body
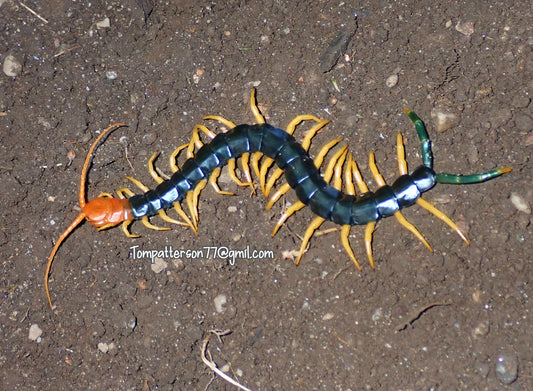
(300, 173)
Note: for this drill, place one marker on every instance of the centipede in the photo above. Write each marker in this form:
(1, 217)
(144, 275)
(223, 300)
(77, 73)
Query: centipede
(331, 195)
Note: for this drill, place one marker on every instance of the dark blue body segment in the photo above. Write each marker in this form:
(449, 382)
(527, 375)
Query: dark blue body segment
(300, 173)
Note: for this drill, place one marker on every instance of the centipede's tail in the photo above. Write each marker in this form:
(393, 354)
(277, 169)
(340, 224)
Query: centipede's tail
(427, 158)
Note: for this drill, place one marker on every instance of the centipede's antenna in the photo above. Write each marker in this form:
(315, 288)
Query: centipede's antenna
(81, 216)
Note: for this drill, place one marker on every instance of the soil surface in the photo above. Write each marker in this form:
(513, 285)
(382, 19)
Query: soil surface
(457, 318)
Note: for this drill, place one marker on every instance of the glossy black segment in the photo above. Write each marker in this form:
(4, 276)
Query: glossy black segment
(167, 193)
(364, 210)
(306, 189)
(237, 141)
(341, 211)
(193, 172)
(220, 147)
(323, 201)
(256, 134)
(405, 190)
(181, 183)
(386, 202)
(424, 178)
(207, 159)
(299, 170)
(273, 140)
(289, 152)
(153, 201)
(139, 205)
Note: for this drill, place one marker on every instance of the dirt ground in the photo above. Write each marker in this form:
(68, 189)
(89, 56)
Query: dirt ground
(458, 318)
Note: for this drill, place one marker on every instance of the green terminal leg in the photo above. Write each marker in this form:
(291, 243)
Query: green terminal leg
(427, 157)
(425, 143)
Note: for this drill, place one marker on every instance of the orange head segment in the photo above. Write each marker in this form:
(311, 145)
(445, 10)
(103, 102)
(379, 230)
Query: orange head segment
(101, 212)
(107, 212)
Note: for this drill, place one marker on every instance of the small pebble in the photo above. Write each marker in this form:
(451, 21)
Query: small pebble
(481, 329)
(159, 265)
(35, 333)
(111, 75)
(12, 67)
(103, 24)
(328, 316)
(232, 209)
(377, 315)
(520, 203)
(220, 301)
(391, 81)
(507, 368)
(179, 264)
(103, 347)
(444, 120)
(465, 28)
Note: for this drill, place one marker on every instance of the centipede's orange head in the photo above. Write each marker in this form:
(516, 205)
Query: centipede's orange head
(106, 212)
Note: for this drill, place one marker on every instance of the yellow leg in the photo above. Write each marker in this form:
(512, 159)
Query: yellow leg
(231, 170)
(256, 157)
(402, 163)
(288, 213)
(319, 158)
(227, 123)
(151, 168)
(369, 231)
(179, 210)
(306, 142)
(137, 183)
(330, 169)
(245, 163)
(263, 173)
(277, 195)
(190, 204)
(213, 182)
(255, 110)
(433, 210)
(272, 180)
(315, 224)
(174, 157)
(403, 221)
(147, 223)
(125, 228)
(345, 233)
(363, 188)
(337, 171)
(195, 196)
(374, 169)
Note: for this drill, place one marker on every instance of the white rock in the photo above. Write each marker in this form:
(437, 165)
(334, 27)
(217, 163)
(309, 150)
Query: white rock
(220, 302)
(520, 203)
(391, 81)
(35, 333)
(465, 28)
(159, 265)
(12, 67)
(103, 24)
(103, 347)
(444, 120)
